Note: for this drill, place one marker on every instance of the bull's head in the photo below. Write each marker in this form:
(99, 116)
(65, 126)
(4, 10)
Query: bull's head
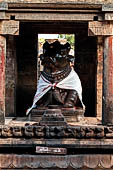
(55, 54)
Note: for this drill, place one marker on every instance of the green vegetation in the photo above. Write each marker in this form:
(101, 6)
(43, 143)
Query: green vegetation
(70, 38)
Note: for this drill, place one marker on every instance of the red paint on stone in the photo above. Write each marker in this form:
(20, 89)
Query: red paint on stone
(110, 67)
(2, 78)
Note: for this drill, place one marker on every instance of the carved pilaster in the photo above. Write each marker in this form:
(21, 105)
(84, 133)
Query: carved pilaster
(2, 78)
(6, 28)
(99, 77)
(11, 75)
(105, 29)
(108, 81)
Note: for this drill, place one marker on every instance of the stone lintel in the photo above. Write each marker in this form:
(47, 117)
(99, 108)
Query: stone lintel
(53, 16)
(96, 28)
(73, 2)
(53, 4)
(9, 27)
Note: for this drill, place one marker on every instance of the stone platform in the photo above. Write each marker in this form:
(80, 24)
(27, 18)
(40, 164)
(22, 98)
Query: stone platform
(20, 138)
(71, 114)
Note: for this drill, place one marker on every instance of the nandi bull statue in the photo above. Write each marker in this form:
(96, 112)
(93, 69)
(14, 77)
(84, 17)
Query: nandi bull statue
(59, 84)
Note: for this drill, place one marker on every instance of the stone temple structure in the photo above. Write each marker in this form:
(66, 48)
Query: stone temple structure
(45, 140)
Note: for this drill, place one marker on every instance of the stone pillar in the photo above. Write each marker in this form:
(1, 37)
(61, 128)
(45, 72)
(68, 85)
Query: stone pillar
(6, 28)
(2, 78)
(11, 74)
(108, 81)
(99, 77)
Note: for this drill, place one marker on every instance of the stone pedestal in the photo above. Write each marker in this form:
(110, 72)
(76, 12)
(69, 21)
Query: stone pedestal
(53, 117)
(71, 115)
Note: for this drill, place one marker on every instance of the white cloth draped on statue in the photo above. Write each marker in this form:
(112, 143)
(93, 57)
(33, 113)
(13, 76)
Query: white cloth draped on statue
(71, 82)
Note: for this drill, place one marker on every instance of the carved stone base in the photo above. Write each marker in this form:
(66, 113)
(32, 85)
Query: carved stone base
(71, 114)
(59, 162)
(53, 117)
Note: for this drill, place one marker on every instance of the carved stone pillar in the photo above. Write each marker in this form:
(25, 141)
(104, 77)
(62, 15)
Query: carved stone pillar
(6, 28)
(2, 78)
(108, 81)
(99, 77)
(105, 29)
(11, 75)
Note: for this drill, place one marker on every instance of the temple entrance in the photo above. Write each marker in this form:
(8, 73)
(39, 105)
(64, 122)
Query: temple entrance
(58, 134)
(27, 68)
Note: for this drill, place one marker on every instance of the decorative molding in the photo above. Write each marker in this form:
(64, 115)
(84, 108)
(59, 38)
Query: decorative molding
(97, 28)
(52, 161)
(52, 132)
